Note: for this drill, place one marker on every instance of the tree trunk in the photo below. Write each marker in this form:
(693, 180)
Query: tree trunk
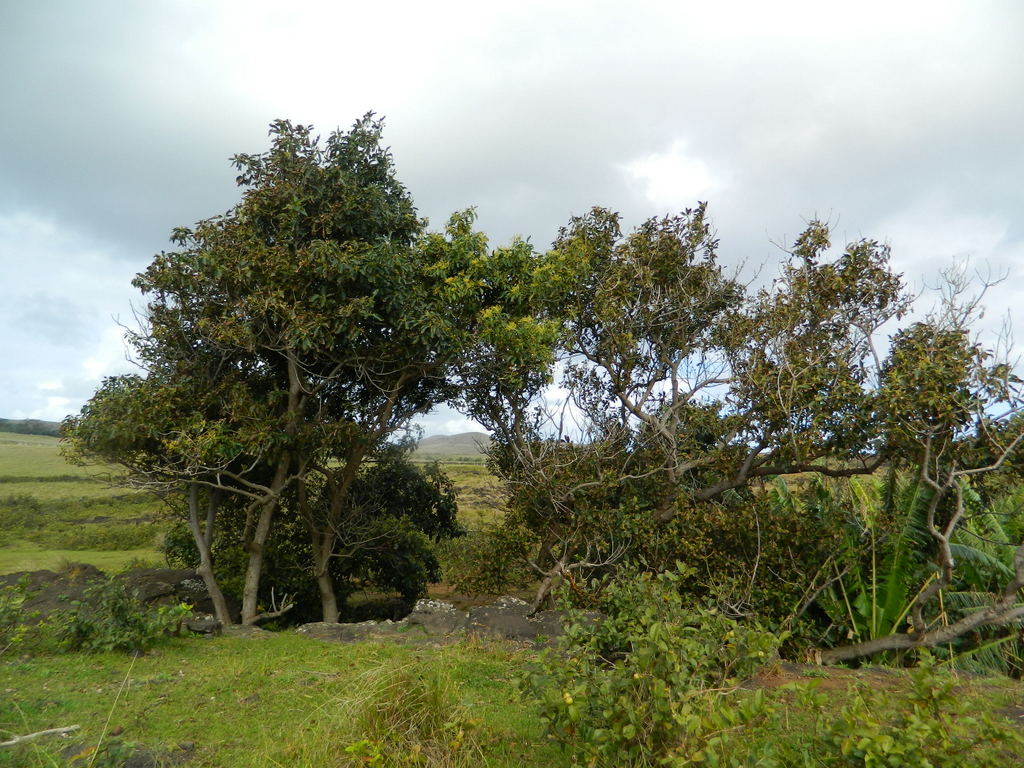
(203, 539)
(250, 592)
(324, 534)
(328, 597)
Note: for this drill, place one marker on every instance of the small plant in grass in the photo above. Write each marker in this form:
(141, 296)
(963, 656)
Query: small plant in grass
(12, 617)
(407, 716)
(111, 618)
(652, 683)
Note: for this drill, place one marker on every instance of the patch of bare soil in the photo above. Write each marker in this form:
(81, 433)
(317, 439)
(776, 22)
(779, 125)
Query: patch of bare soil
(832, 678)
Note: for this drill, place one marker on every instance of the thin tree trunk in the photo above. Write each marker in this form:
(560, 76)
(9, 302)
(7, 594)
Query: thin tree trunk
(328, 597)
(325, 534)
(203, 539)
(250, 592)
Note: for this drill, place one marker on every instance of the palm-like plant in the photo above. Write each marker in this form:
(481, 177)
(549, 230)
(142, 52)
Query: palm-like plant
(881, 560)
(885, 562)
(984, 546)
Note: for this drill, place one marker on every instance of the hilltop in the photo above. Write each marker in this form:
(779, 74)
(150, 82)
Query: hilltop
(463, 444)
(30, 427)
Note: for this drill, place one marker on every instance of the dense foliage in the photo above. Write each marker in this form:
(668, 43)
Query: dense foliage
(657, 683)
(645, 684)
(398, 511)
(290, 339)
(287, 340)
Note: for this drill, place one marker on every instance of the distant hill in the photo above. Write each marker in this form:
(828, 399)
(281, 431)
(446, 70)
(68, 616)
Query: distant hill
(465, 444)
(30, 427)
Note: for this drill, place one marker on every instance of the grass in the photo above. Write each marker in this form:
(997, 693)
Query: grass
(26, 556)
(35, 456)
(287, 700)
(275, 700)
(52, 511)
(479, 492)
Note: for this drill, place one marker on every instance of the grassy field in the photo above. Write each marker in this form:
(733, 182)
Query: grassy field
(287, 700)
(279, 699)
(52, 511)
(283, 699)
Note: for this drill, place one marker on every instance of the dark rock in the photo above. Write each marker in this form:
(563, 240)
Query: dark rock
(173, 585)
(347, 633)
(437, 617)
(49, 591)
(204, 625)
(510, 617)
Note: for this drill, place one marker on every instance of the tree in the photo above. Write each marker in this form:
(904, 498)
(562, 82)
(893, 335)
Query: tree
(952, 411)
(685, 385)
(338, 318)
(172, 433)
(396, 512)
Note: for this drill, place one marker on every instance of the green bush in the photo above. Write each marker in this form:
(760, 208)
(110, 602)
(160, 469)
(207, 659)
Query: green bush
(652, 682)
(655, 683)
(488, 562)
(110, 618)
(12, 617)
(929, 727)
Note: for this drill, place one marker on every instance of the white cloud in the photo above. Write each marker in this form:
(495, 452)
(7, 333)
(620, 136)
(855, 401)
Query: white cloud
(674, 179)
(62, 294)
(446, 421)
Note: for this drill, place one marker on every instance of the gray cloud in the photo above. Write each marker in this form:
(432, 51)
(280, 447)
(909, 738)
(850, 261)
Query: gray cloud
(897, 121)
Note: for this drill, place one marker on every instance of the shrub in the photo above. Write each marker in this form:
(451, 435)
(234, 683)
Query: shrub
(928, 727)
(487, 562)
(652, 682)
(12, 617)
(110, 618)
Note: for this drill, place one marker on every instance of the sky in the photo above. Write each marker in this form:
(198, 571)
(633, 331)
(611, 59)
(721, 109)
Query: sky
(902, 122)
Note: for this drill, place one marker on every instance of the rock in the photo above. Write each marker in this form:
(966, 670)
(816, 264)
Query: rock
(510, 617)
(437, 617)
(204, 625)
(49, 591)
(173, 585)
(347, 633)
(244, 630)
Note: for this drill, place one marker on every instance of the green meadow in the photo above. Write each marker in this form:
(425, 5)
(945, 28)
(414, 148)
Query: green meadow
(53, 512)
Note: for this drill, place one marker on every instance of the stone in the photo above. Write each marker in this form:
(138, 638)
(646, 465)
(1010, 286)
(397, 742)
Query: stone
(347, 633)
(511, 617)
(437, 617)
(204, 625)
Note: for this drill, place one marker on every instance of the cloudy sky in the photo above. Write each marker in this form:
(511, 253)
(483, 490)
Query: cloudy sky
(900, 121)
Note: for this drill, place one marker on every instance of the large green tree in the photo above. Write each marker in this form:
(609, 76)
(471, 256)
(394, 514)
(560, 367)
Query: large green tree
(682, 386)
(339, 318)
